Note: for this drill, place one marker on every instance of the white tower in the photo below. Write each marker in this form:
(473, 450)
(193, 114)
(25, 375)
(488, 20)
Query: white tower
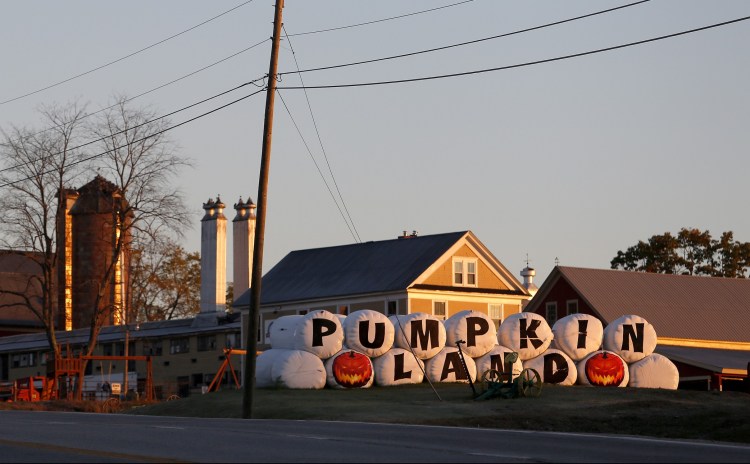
(243, 239)
(213, 258)
(528, 274)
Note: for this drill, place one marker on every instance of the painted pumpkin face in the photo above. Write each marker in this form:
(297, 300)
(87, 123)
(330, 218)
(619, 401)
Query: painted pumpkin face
(352, 369)
(605, 370)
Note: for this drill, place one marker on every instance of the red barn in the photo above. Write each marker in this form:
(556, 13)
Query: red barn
(703, 323)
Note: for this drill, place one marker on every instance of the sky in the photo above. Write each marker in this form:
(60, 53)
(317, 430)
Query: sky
(567, 161)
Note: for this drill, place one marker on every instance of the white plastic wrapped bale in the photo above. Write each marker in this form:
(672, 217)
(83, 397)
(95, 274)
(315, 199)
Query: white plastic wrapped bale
(283, 332)
(368, 332)
(397, 367)
(554, 367)
(527, 333)
(422, 333)
(320, 333)
(654, 371)
(294, 369)
(474, 328)
(263, 364)
(495, 359)
(631, 337)
(349, 369)
(446, 367)
(577, 335)
(603, 369)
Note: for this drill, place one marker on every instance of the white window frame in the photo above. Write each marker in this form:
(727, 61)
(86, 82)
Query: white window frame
(464, 262)
(568, 305)
(445, 309)
(549, 307)
(497, 308)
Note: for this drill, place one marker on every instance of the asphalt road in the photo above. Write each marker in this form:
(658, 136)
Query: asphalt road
(76, 437)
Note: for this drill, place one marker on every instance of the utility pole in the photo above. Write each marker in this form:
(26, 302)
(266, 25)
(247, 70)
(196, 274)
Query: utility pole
(251, 341)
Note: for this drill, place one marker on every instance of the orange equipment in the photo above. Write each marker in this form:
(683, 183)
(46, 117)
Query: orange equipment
(216, 382)
(35, 388)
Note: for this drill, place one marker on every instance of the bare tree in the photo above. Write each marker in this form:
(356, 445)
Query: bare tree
(36, 167)
(143, 163)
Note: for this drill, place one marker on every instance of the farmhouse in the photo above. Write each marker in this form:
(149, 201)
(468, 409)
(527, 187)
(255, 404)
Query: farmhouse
(703, 322)
(437, 274)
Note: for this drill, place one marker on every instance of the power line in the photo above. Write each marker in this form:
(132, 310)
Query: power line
(92, 157)
(124, 57)
(158, 87)
(133, 127)
(529, 63)
(379, 20)
(470, 42)
(356, 239)
(320, 140)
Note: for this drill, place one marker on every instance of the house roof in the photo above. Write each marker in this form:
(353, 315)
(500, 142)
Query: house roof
(678, 306)
(146, 330)
(362, 268)
(715, 360)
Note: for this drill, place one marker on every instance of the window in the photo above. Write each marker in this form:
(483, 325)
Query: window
(439, 309)
(23, 360)
(107, 349)
(465, 272)
(152, 348)
(551, 312)
(495, 311)
(344, 309)
(206, 342)
(179, 345)
(392, 308)
(572, 306)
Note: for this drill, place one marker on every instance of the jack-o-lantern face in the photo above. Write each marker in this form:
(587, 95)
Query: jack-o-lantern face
(352, 370)
(605, 370)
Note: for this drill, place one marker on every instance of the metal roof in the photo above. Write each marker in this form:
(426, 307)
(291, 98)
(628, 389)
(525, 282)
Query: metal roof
(158, 329)
(678, 306)
(715, 360)
(356, 269)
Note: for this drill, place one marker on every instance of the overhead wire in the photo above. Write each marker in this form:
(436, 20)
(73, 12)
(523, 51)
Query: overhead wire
(98, 155)
(320, 141)
(9, 168)
(470, 42)
(520, 65)
(124, 57)
(380, 20)
(304, 142)
(158, 87)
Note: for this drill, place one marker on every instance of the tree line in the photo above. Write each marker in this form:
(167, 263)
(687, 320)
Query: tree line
(690, 252)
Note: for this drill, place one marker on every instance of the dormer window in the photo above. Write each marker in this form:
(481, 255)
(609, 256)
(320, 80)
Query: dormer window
(465, 272)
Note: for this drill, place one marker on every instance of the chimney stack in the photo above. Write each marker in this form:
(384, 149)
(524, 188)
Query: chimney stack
(213, 258)
(243, 239)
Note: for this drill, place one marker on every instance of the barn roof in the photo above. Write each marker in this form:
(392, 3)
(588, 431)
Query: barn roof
(678, 306)
(361, 268)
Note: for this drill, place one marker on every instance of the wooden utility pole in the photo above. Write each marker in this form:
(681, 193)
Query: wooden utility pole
(251, 341)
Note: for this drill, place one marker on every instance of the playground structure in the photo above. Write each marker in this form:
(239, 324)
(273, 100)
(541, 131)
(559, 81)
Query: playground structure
(66, 377)
(216, 382)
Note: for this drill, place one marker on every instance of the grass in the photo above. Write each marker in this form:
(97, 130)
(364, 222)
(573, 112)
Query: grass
(714, 416)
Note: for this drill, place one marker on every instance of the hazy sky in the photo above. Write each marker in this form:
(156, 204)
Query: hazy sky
(574, 159)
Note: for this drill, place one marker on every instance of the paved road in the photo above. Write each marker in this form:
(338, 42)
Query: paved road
(77, 437)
